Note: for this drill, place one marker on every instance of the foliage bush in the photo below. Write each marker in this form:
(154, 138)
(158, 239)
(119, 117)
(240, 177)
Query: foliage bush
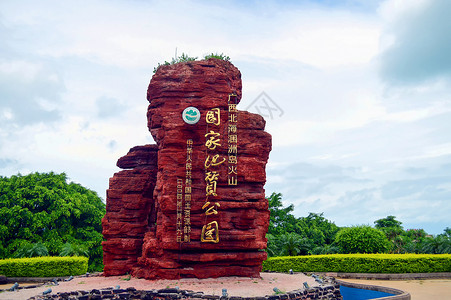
(44, 209)
(362, 239)
(361, 263)
(48, 266)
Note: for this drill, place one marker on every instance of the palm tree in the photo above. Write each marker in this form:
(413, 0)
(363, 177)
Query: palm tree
(73, 250)
(437, 245)
(273, 247)
(32, 250)
(293, 244)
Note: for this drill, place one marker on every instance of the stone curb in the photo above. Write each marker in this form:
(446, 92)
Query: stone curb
(398, 294)
(47, 279)
(391, 276)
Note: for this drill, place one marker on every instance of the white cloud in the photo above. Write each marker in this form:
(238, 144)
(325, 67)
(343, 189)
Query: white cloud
(27, 71)
(327, 44)
(416, 42)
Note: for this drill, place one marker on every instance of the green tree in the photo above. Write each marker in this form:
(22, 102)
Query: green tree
(447, 232)
(288, 234)
(45, 208)
(281, 220)
(387, 222)
(293, 244)
(395, 233)
(317, 229)
(362, 239)
(273, 245)
(445, 246)
(69, 249)
(414, 240)
(440, 244)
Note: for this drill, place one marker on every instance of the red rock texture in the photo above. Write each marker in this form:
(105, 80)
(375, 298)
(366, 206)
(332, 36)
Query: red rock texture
(140, 225)
(130, 209)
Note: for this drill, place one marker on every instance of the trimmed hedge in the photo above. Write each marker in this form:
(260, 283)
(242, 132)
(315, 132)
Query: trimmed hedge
(47, 266)
(361, 263)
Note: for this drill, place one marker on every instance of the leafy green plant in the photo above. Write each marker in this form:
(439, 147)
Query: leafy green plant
(362, 239)
(293, 244)
(436, 245)
(127, 278)
(183, 58)
(31, 250)
(186, 58)
(273, 247)
(281, 220)
(175, 60)
(317, 229)
(69, 249)
(217, 56)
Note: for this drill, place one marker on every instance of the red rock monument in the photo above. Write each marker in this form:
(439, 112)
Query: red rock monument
(193, 205)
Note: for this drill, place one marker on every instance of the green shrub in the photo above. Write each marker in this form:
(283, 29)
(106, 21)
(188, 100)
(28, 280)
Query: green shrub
(362, 239)
(361, 263)
(48, 266)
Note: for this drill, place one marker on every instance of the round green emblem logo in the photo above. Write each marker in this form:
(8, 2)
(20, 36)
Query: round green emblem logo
(191, 115)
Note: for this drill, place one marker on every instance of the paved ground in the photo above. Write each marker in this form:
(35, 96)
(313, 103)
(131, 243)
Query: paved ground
(419, 289)
(439, 289)
(236, 286)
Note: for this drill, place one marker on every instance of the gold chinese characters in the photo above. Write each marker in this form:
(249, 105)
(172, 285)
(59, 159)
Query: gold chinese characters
(210, 231)
(184, 214)
(232, 145)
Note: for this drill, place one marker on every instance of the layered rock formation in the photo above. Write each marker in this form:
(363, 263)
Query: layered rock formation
(193, 205)
(130, 209)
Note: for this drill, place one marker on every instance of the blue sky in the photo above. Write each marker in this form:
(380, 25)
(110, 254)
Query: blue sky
(364, 87)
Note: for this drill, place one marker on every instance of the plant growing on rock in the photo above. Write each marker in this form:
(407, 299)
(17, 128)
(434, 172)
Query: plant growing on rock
(185, 58)
(175, 60)
(221, 56)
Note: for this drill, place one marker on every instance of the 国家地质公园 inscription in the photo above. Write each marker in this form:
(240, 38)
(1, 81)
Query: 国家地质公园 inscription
(193, 205)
